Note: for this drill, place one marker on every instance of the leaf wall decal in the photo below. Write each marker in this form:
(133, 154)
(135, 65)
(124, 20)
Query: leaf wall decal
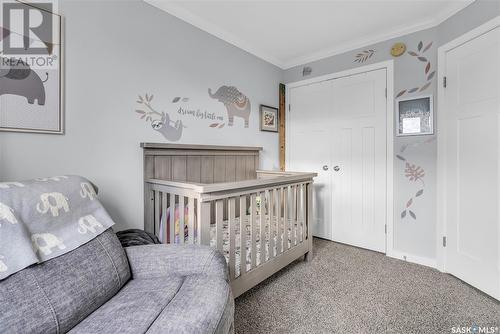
(413, 90)
(403, 214)
(400, 157)
(221, 126)
(401, 93)
(419, 193)
(422, 59)
(420, 45)
(431, 75)
(140, 111)
(185, 99)
(412, 214)
(176, 99)
(213, 125)
(424, 87)
(409, 203)
(427, 47)
(428, 67)
(411, 53)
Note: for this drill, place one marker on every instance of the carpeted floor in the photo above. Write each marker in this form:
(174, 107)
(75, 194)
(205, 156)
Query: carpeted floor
(350, 290)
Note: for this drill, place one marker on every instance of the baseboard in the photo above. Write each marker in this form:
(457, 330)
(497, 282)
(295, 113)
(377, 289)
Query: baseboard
(425, 261)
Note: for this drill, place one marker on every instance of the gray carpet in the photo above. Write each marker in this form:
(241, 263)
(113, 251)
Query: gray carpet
(349, 290)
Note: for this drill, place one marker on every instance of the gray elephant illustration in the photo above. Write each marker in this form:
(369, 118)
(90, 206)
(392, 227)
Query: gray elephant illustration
(88, 224)
(21, 80)
(169, 129)
(3, 266)
(7, 214)
(45, 242)
(236, 103)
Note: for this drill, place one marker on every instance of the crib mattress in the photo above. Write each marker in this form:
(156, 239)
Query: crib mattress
(296, 230)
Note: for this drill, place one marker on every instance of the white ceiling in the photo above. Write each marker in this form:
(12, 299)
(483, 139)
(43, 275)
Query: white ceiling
(290, 33)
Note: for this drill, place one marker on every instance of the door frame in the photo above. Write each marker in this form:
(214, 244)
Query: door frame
(389, 67)
(441, 226)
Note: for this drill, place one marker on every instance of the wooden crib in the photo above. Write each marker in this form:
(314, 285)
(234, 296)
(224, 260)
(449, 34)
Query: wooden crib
(215, 195)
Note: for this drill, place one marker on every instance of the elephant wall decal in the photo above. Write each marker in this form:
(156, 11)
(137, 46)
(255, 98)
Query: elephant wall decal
(6, 213)
(45, 242)
(87, 191)
(88, 223)
(236, 103)
(53, 202)
(21, 80)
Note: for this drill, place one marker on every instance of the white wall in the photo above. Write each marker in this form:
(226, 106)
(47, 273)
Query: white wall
(115, 51)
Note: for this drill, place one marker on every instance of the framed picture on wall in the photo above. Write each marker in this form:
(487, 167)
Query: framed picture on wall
(415, 116)
(268, 118)
(31, 95)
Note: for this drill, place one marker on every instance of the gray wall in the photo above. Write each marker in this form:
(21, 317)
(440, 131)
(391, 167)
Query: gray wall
(412, 237)
(115, 51)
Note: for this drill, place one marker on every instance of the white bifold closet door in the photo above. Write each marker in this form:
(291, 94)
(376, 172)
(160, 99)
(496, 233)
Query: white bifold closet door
(338, 129)
(472, 161)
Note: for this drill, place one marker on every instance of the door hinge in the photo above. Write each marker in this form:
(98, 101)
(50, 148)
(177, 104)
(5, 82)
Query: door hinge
(444, 82)
(385, 228)
(289, 107)
(444, 241)
(386, 93)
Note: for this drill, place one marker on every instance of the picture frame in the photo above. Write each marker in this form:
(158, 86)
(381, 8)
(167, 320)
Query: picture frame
(415, 116)
(269, 118)
(39, 109)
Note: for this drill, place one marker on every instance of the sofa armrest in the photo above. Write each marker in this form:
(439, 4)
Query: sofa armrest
(149, 261)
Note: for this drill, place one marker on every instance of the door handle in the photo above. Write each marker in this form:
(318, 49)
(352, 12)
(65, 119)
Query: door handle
(336, 168)
(325, 167)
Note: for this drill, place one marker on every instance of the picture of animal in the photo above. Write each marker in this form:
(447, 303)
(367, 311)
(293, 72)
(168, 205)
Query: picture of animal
(169, 129)
(21, 80)
(7, 185)
(45, 242)
(87, 191)
(7, 214)
(88, 223)
(236, 103)
(53, 202)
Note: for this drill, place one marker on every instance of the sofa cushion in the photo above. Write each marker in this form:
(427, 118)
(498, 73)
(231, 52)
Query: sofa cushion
(133, 309)
(54, 296)
(203, 304)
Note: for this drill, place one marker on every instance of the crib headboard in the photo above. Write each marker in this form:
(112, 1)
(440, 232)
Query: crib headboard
(200, 163)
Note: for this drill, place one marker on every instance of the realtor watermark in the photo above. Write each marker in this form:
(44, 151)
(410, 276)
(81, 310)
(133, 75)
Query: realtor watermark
(474, 329)
(29, 34)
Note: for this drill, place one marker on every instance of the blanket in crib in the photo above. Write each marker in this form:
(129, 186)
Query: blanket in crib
(47, 217)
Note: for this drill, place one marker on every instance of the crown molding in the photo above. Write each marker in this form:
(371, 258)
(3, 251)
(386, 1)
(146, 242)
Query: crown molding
(179, 12)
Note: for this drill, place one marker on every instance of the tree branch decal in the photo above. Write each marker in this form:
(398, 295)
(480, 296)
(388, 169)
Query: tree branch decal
(363, 56)
(419, 55)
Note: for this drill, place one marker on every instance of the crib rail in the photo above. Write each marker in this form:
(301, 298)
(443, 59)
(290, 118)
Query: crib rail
(259, 225)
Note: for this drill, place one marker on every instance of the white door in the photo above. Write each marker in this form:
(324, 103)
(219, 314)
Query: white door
(472, 149)
(359, 159)
(310, 147)
(337, 129)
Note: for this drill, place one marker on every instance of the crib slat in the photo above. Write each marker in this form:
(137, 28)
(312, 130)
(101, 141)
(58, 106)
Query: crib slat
(204, 218)
(279, 229)
(262, 221)
(219, 220)
(164, 206)
(172, 219)
(285, 219)
(157, 212)
(302, 212)
(253, 231)
(190, 220)
(181, 219)
(271, 223)
(232, 236)
(294, 216)
(243, 235)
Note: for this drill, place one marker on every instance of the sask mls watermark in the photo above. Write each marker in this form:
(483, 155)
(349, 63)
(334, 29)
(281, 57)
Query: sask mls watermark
(474, 329)
(28, 34)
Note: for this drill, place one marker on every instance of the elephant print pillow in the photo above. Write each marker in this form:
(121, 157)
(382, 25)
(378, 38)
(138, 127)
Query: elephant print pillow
(47, 217)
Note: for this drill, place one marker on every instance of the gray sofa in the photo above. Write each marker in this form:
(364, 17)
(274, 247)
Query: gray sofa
(101, 287)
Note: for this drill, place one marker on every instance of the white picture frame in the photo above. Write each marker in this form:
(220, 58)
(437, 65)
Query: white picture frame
(415, 116)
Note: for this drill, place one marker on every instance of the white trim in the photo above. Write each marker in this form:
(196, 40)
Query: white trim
(441, 228)
(389, 67)
(176, 10)
(425, 261)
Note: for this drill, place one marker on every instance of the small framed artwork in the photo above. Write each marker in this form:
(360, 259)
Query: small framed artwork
(415, 116)
(31, 95)
(268, 118)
